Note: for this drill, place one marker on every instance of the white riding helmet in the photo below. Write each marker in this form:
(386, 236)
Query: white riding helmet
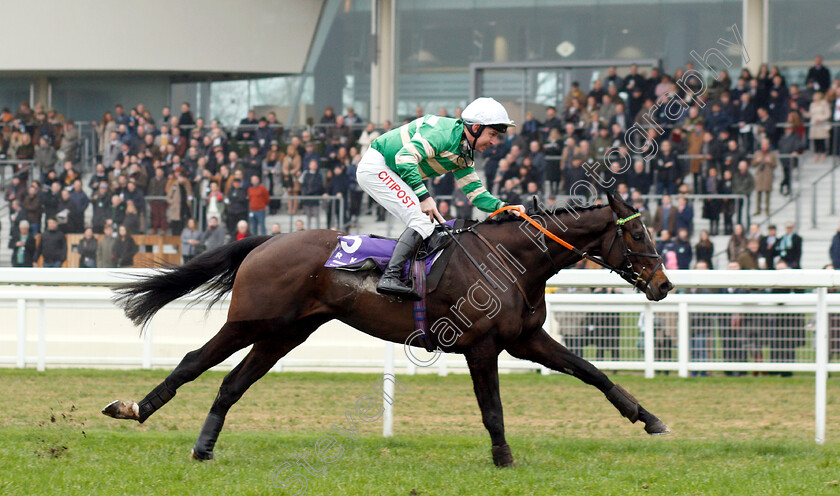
(487, 112)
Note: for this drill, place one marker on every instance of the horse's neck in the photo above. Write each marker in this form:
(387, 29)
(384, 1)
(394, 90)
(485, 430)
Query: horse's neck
(524, 244)
(585, 233)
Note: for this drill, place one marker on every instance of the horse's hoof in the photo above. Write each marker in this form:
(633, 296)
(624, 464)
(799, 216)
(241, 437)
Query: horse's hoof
(502, 456)
(195, 456)
(121, 410)
(657, 428)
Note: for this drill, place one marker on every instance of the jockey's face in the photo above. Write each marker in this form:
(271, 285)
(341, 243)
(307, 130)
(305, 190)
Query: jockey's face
(489, 137)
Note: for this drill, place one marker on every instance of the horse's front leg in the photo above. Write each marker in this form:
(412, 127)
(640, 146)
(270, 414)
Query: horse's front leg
(482, 360)
(539, 347)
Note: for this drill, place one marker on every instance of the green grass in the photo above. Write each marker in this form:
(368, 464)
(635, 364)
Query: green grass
(751, 435)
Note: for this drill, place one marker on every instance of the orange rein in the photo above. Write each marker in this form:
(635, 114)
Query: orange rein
(533, 223)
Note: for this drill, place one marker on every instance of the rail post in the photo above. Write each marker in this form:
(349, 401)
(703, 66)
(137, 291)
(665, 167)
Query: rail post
(443, 369)
(42, 335)
(21, 334)
(649, 341)
(547, 328)
(388, 414)
(821, 375)
(683, 339)
(148, 335)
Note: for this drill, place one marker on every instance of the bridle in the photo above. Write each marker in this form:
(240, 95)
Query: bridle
(625, 269)
(627, 272)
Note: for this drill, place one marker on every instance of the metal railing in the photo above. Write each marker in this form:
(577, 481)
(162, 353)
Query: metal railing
(683, 333)
(198, 208)
(832, 203)
(28, 165)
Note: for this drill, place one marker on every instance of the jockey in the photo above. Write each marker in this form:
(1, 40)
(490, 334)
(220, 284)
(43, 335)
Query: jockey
(394, 167)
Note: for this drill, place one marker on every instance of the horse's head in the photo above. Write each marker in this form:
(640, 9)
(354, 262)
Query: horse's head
(632, 251)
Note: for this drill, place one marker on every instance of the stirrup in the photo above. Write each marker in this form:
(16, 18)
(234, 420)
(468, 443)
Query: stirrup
(392, 286)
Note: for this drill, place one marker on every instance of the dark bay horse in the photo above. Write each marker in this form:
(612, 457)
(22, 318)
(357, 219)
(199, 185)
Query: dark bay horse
(282, 293)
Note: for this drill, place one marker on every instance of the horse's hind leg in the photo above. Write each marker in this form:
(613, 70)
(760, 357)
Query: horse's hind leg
(231, 338)
(256, 364)
(539, 347)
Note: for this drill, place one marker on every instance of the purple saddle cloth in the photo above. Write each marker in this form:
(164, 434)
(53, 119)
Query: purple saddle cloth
(357, 252)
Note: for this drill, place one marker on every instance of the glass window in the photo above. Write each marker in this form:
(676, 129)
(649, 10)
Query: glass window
(13, 91)
(437, 40)
(801, 30)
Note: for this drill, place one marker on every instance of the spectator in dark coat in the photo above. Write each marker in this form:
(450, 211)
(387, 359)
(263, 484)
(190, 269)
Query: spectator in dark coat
(23, 246)
(101, 201)
(667, 168)
(87, 250)
(252, 163)
(16, 215)
(134, 193)
(685, 215)
(263, 136)
(246, 132)
(682, 246)
(768, 245)
(704, 249)
(789, 144)
(32, 205)
(70, 220)
(790, 247)
(50, 199)
(237, 204)
(819, 74)
(53, 245)
(312, 184)
(79, 198)
(116, 211)
(124, 248)
(338, 185)
(665, 217)
(638, 179)
(834, 251)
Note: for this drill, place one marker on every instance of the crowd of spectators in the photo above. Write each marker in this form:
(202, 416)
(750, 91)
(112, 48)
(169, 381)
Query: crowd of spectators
(179, 175)
(720, 137)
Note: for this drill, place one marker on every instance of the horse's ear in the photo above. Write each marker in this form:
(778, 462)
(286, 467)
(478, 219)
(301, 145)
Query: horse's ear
(536, 204)
(615, 200)
(617, 204)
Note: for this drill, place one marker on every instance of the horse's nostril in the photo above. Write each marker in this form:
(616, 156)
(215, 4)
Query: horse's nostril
(666, 286)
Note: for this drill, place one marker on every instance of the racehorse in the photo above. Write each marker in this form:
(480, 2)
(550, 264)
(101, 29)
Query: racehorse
(282, 293)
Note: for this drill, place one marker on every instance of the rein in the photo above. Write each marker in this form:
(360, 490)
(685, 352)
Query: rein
(627, 272)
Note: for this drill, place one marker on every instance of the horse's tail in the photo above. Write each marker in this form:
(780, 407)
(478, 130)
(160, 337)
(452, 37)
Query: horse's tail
(217, 268)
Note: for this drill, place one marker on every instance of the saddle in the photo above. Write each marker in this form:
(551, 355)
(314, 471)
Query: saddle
(364, 253)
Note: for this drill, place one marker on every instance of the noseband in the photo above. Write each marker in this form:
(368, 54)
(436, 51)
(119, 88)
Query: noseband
(626, 271)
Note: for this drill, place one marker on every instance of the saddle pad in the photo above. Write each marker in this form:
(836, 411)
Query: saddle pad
(355, 252)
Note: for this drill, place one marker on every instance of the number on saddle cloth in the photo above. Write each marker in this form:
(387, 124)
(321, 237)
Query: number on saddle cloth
(365, 252)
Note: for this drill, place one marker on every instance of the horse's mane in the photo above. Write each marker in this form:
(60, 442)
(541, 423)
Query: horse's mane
(567, 209)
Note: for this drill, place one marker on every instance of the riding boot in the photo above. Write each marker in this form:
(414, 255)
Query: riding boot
(390, 283)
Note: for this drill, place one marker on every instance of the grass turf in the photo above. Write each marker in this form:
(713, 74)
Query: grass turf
(750, 435)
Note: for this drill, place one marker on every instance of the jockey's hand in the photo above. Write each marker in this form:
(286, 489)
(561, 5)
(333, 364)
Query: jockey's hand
(429, 207)
(519, 209)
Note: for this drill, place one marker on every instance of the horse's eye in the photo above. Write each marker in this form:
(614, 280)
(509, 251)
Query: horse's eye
(637, 236)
